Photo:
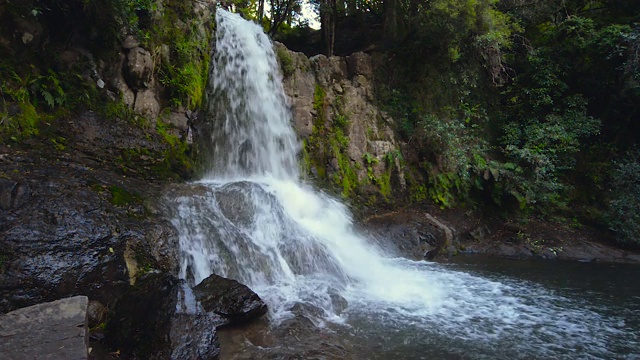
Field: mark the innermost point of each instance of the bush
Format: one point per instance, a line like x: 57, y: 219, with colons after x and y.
x: 624, y: 210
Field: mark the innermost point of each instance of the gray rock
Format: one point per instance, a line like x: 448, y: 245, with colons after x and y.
x: 54, y: 330
x: 118, y: 84
x: 130, y: 42
x: 138, y: 69
x: 147, y: 104
x: 178, y: 120
x: 349, y: 93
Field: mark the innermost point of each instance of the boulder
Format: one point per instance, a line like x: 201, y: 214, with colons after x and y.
x: 414, y: 235
x: 231, y: 300
x: 159, y: 319
x: 147, y: 104
x: 178, y: 120
x: 359, y: 64
x: 53, y: 330
x: 138, y: 69
x: 117, y: 83
x: 130, y: 42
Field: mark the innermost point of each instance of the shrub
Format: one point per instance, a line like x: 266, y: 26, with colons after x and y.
x: 624, y: 210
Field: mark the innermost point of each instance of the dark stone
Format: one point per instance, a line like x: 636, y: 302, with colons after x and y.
x: 60, y: 235
x: 231, y: 300
x: 158, y: 319
x: 359, y: 63
x: 96, y: 313
x: 480, y: 232
x: 13, y: 194
x: 53, y: 330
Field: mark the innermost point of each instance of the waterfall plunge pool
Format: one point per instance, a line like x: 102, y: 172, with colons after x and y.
x: 569, y: 311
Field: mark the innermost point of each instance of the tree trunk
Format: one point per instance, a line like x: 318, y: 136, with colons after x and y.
x: 391, y: 19
x: 260, y: 11
x: 328, y: 14
x: 351, y: 7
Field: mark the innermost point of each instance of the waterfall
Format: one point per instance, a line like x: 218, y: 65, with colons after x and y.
x: 252, y: 219
x: 251, y: 119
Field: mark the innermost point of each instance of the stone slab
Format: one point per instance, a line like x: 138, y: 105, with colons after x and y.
x: 53, y: 330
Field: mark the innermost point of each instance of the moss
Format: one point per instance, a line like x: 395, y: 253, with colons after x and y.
x: 305, y: 158
x: 384, y: 182
x: 59, y: 143
x: 185, y: 69
x: 286, y: 61
x: 121, y: 197
x: 418, y: 191
x: 346, y: 176
x: 175, y: 158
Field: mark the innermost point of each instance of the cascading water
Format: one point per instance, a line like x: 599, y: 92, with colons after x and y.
x: 253, y: 220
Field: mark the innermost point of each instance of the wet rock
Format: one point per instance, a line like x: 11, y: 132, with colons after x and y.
x: 417, y: 236
x: 368, y: 128
x: 158, y: 318
x: 300, y: 87
x: 61, y: 235
x: 54, y: 330
x: 13, y: 194
x: 231, y: 300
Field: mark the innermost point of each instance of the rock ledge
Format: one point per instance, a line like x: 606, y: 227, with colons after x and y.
x: 53, y: 330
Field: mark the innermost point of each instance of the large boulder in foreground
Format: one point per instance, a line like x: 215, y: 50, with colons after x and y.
x: 158, y: 319
x: 53, y: 330
x: 161, y: 317
x: 229, y: 299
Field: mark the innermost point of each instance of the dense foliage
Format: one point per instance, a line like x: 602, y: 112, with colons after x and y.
x: 512, y: 104
x: 517, y: 104
x: 61, y: 57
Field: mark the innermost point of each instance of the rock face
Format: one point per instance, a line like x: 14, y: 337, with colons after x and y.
x: 71, y: 223
x: 54, y: 330
x: 231, y: 300
x: 326, y: 93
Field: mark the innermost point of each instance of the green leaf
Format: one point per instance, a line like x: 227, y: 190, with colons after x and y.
x: 48, y: 98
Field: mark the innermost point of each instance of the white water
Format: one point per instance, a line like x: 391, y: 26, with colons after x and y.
x: 251, y: 219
